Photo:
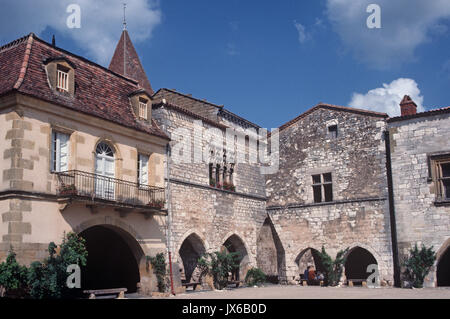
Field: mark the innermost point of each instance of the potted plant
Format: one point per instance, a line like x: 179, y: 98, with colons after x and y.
x: 212, y: 182
x: 229, y: 187
x: 158, y: 203
x: 68, y: 190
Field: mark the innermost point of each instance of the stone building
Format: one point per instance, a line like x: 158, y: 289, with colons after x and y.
x: 81, y: 153
x: 216, y: 201
x: 331, y: 191
x: 420, y: 155
x: 98, y: 152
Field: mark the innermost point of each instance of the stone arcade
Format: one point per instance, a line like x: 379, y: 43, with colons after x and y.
x: 89, y: 149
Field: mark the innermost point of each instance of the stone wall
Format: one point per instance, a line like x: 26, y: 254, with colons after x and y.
x: 358, y: 214
x: 214, y: 215
x: 419, y: 219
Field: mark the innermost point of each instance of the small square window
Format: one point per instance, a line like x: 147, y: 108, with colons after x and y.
x: 333, y: 131
x: 143, y: 108
x: 62, y: 80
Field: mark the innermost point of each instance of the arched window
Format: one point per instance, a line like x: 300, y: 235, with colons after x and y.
x: 104, y: 149
x: 104, y: 169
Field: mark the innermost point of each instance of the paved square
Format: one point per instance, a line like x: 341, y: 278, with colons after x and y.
x: 300, y: 292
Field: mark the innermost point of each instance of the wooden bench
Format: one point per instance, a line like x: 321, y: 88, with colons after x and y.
x: 236, y: 283
x: 115, y: 293
x: 351, y: 282
x: 190, y: 284
x: 304, y: 282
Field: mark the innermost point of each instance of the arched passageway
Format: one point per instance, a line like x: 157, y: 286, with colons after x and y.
x: 190, y: 251
x: 235, y: 244
x: 358, y: 259
x: 443, y: 269
x: 270, y: 253
x: 113, y: 259
x: 309, y: 257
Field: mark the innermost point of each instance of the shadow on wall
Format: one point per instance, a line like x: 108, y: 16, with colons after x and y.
x: 270, y: 253
x: 190, y: 251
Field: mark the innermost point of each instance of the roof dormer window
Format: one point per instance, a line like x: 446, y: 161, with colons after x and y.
x: 60, y: 75
x: 62, y: 79
x: 143, y: 108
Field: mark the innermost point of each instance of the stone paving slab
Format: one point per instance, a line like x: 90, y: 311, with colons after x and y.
x: 300, y: 292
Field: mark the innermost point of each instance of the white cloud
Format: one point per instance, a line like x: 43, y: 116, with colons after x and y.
x: 302, y: 36
x: 446, y: 68
x: 406, y: 24
x: 387, y: 98
x: 101, y: 22
x: 232, y: 49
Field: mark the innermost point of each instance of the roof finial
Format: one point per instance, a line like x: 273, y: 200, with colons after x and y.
x: 124, y: 16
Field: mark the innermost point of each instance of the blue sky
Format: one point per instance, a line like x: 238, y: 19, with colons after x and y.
x: 266, y: 61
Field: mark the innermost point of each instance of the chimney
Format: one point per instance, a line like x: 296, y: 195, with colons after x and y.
x: 407, y: 106
x: 53, y: 41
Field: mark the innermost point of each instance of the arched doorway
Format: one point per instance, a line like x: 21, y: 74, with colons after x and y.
x: 443, y: 269
x: 190, y: 251
x: 309, y: 257
x: 113, y: 259
x: 270, y: 253
x: 358, y: 259
x: 235, y: 244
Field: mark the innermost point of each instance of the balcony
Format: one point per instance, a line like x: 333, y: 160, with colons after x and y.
x: 97, y: 190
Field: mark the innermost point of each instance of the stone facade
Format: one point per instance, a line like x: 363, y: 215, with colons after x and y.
x: 331, y: 189
x: 420, y: 217
x: 357, y: 214
x: 209, y: 214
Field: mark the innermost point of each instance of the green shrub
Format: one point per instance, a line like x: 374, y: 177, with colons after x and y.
x: 333, y: 268
x: 159, y: 265
x: 255, y: 277
x: 13, y: 276
x: 418, y: 264
x: 219, y: 265
x: 47, y: 279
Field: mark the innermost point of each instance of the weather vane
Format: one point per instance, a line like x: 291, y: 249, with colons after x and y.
x: 124, y: 16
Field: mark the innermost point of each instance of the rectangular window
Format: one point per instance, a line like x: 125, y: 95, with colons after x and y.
x: 60, y: 152
x: 143, y: 108
x: 333, y: 131
x: 443, y: 179
x: 62, y: 83
x: 143, y: 169
x: 322, y: 188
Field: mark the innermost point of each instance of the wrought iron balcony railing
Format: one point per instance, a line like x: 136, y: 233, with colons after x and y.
x: 102, y: 188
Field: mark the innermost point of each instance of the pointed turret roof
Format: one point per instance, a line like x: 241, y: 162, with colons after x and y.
x: 125, y: 61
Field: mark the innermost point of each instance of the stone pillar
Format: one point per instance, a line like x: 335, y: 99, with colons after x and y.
x: 220, y: 172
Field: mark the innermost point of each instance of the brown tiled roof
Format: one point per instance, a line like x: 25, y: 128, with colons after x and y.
x: 125, y: 61
x: 442, y: 110
x: 189, y: 113
x: 203, y: 108
x: 336, y: 108
x: 98, y: 91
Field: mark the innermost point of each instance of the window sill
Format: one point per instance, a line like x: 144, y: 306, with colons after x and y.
x: 445, y: 202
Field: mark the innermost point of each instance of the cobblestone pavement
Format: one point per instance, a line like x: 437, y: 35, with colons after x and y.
x: 299, y: 292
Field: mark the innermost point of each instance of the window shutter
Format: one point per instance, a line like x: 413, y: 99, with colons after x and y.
x: 60, y: 152
x: 64, y: 152
x: 143, y: 169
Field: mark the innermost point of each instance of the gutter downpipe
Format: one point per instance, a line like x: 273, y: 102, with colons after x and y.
x: 169, y: 217
x: 394, y: 241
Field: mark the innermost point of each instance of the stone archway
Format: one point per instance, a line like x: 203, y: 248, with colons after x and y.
x: 358, y: 259
x: 191, y: 249
x: 443, y: 266
x: 309, y: 257
x: 114, y: 258
x: 235, y: 244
